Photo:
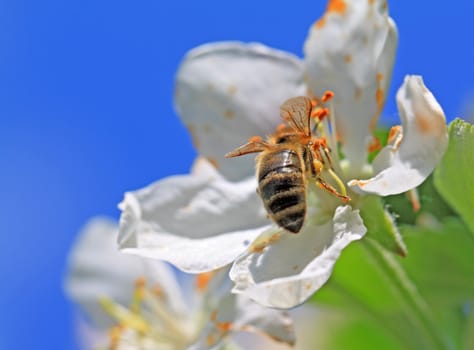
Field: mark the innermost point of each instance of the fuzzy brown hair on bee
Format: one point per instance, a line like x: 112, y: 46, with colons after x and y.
x: 289, y: 157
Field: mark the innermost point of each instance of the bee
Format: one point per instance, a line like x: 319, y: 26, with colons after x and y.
x: 287, y: 160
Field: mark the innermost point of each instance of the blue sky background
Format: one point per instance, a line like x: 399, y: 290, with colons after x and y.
x: 86, y: 113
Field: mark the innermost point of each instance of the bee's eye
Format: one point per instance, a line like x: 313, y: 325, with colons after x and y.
x: 282, y: 139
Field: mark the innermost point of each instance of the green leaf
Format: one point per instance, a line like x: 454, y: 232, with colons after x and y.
x: 381, y: 225
x: 439, y: 272
x: 441, y: 265
x: 356, y: 332
x: 430, y: 202
x: 364, y: 293
x: 441, y: 261
x: 454, y: 177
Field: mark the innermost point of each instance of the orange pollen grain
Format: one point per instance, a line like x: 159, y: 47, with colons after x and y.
x: 338, y: 6
x: 320, y: 143
x: 320, y: 113
x: 327, y: 96
x: 210, y: 340
x: 255, y: 139
x: 114, y: 335
x: 224, y: 326
x: 140, y: 282
x: 202, y: 280
x: 375, y: 145
x: 323, y: 142
x: 213, y: 315
x: 379, y: 77
x: 158, y: 291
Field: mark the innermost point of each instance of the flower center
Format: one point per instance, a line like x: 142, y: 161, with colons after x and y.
x: 148, y: 320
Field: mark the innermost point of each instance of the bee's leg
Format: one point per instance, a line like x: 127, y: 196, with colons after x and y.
x: 317, y: 168
x: 327, y: 154
x: 324, y: 185
x: 322, y: 152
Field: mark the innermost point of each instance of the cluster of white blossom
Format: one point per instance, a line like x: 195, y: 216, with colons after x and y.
x: 211, y: 222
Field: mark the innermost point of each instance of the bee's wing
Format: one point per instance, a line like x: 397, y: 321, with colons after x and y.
x: 296, y: 111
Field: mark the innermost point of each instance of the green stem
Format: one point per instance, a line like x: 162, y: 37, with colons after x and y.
x: 415, y: 306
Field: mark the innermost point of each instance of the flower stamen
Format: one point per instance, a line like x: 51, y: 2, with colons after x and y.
x: 202, y: 280
x: 221, y: 329
x: 319, y: 113
x: 327, y: 96
x: 124, y: 316
x: 374, y: 145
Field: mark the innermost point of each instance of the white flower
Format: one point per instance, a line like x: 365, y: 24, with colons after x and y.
x: 228, y: 92
x: 151, y: 308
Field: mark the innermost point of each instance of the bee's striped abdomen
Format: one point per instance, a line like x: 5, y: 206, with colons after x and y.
x: 282, y: 188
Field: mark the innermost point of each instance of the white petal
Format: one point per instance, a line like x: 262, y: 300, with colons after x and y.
x: 406, y: 164
x: 227, y: 92
x: 239, y: 314
x: 96, y: 268
x: 198, y: 222
x: 275, y: 324
x: 291, y: 268
x: 310, y: 328
x: 87, y: 335
x: 351, y: 51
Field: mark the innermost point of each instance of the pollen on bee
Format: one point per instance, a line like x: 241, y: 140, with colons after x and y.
x: 281, y: 127
x: 255, y: 139
x: 327, y: 96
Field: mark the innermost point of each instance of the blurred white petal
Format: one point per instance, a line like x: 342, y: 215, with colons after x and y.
x: 351, y: 52
x: 180, y: 219
x: 227, y: 92
x: 96, y: 268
